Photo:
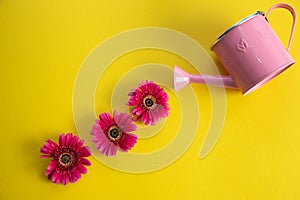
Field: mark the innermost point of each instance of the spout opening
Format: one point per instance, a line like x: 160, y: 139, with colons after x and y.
x: 181, y: 78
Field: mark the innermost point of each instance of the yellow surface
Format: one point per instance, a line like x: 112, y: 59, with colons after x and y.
x: 42, y: 46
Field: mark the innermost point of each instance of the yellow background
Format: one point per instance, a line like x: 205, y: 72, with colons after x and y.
x: 44, y: 43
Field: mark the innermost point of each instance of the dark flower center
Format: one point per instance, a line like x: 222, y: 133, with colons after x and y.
x: 114, y: 133
x: 65, y: 159
x: 149, y: 101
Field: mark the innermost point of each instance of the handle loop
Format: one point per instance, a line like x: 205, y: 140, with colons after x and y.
x: 292, y: 11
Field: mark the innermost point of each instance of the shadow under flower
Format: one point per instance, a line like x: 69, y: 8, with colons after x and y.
x: 33, y: 164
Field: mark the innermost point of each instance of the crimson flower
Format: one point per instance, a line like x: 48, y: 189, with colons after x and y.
x: 150, y: 103
x: 113, y: 133
x: 68, y: 159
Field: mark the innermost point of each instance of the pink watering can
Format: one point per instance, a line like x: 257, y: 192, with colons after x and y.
x: 251, y: 53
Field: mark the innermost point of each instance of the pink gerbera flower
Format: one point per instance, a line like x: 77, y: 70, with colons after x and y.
x: 68, y: 159
x: 150, y: 103
x: 111, y: 134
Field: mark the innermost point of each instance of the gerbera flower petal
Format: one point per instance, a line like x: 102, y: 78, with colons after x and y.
x: 129, y: 128
x: 137, y: 109
x: 79, y: 145
x: 85, y: 162
x: 56, y: 177
x: 100, y: 138
x: 151, y: 86
x: 146, y: 118
x: 124, y: 122
x: 68, y: 138
x: 157, y: 113
x: 97, y: 130
x: 156, y: 89
x: 65, y: 179
x: 67, y: 158
x: 73, y: 142
x: 62, y: 140
x: 160, y: 93
x: 140, y: 112
x: 46, y: 152
x: 103, y: 145
x: 51, y: 167
x: 127, y: 141
x: 82, y: 169
x: 48, y: 148
x: 84, y: 151
x: 105, y: 118
x: 154, y: 117
x: 111, y: 149
x: 72, y: 177
x: 51, y: 144
x: 150, y: 96
x: 76, y: 175
x: 134, y: 99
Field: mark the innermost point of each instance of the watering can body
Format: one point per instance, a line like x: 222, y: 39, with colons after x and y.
x: 251, y: 53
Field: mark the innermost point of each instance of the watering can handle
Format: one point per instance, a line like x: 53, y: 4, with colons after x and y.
x: 291, y: 9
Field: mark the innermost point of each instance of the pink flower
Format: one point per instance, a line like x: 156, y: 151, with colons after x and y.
x: 68, y: 159
x: 111, y: 134
x: 150, y: 103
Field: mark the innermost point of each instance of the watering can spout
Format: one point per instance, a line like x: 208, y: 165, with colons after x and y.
x: 182, y: 78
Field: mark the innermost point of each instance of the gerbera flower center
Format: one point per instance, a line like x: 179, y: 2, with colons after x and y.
x: 65, y: 159
x: 149, y: 101
x: 114, y: 133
